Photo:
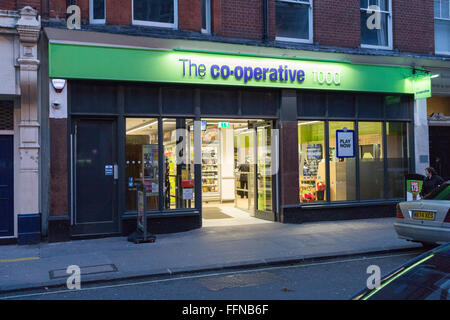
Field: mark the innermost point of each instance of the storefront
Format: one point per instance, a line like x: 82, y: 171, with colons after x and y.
x: 297, y: 139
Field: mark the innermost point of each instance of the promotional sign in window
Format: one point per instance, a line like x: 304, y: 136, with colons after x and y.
x: 345, y: 143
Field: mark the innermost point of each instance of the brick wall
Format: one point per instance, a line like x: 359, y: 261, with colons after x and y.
x: 19, y: 4
x: 413, y: 25
x: 118, y: 12
x: 190, y: 15
x: 337, y: 23
x: 242, y: 19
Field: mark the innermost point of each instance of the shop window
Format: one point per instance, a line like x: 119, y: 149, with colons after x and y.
x: 370, y: 107
x: 442, y: 26
x: 294, y: 20
x: 141, y: 161
x: 97, y: 11
x: 141, y: 99
x: 157, y: 13
x: 342, y: 169
x: 341, y: 106
x: 311, y: 105
x: 311, y: 150
x: 259, y: 103
x: 93, y: 97
x: 397, y: 107
x: 396, y: 157
x: 376, y: 24
x: 219, y: 102
x: 371, y: 165
x: 178, y: 134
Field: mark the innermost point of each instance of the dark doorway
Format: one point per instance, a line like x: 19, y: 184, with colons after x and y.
x: 440, y: 150
x: 95, y: 177
x: 6, y: 186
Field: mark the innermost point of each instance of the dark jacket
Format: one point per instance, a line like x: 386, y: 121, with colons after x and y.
x: 429, y: 184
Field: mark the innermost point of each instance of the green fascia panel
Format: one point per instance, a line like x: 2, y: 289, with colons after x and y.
x: 75, y: 61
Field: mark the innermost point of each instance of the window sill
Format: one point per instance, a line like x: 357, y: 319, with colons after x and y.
x: 369, y: 46
x: 349, y: 204
x: 295, y: 40
x: 154, y: 24
x: 442, y: 53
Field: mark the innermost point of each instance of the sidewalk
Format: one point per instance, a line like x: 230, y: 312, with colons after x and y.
x: 209, y: 248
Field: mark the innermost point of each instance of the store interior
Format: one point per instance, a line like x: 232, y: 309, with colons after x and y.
x: 232, y: 152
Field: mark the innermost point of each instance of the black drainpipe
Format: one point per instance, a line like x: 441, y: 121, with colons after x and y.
x: 265, y: 6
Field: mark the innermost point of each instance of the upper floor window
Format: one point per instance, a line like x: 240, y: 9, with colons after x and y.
x: 294, y: 20
x: 97, y: 11
x: 206, y: 16
x: 376, y: 24
x: 442, y: 26
x: 156, y: 13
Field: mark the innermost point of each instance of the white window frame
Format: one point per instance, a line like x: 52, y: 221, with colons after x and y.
x: 310, y: 33
x: 91, y: 14
x: 208, y: 17
x: 446, y: 53
x: 173, y: 25
x: 389, y: 31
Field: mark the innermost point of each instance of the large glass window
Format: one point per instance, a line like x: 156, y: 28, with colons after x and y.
x: 342, y: 170
x: 312, y: 170
x: 442, y: 26
x: 294, y: 20
x: 371, y: 166
x: 376, y: 23
x: 178, y: 134
x: 141, y: 161
x: 397, y: 157
x: 158, y: 13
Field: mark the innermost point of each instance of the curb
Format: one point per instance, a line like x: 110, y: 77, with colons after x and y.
x: 179, y: 271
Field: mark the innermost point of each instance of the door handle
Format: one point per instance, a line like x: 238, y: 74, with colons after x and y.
x: 116, y: 172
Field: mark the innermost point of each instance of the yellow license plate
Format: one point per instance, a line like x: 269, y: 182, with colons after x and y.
x: 423, y: 215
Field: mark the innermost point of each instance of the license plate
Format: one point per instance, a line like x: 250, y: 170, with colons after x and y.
x: 423, y: 215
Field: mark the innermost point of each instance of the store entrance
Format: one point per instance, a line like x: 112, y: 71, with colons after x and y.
x: 237, y: 177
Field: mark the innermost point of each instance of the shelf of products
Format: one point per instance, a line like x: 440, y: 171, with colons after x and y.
x: 210, y: 171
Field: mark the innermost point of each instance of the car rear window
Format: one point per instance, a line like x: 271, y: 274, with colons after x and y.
x: 429, y: 280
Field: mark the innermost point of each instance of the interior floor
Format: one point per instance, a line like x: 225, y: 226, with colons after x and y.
x: 216, y: 214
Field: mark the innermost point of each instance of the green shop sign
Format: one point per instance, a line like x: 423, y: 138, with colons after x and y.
x: 74, y: 61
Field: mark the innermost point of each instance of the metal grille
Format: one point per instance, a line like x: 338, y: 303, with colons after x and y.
x: 6, y: 115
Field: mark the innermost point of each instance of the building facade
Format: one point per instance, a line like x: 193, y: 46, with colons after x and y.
x: 19, y: 125
x: 292, y: 111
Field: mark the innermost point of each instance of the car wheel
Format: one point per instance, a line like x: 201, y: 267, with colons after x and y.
x: 428, y: 245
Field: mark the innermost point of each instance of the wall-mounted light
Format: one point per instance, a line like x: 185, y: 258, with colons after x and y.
x: 58, y: 84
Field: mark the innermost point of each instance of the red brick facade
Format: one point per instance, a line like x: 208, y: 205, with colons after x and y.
x: 335, y: 23
x: 413, y: 26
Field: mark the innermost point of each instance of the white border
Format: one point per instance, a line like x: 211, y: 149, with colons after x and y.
x: 208, y: 17
x: 390, y: 36
x: 445, y: 53
x: 173, y: 25
x: 91, y: 14
x: 310, y: 35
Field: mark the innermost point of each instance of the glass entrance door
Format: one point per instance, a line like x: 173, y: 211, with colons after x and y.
x: 244, y: 140
x: 264, y: 172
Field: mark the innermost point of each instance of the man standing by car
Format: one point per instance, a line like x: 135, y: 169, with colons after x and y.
x: 431, y: 181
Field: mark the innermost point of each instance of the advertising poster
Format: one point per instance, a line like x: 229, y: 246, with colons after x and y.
x: 140, y: 209
x: 413, y: 189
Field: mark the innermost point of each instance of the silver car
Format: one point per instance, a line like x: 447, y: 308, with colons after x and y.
x: 426, y: 220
